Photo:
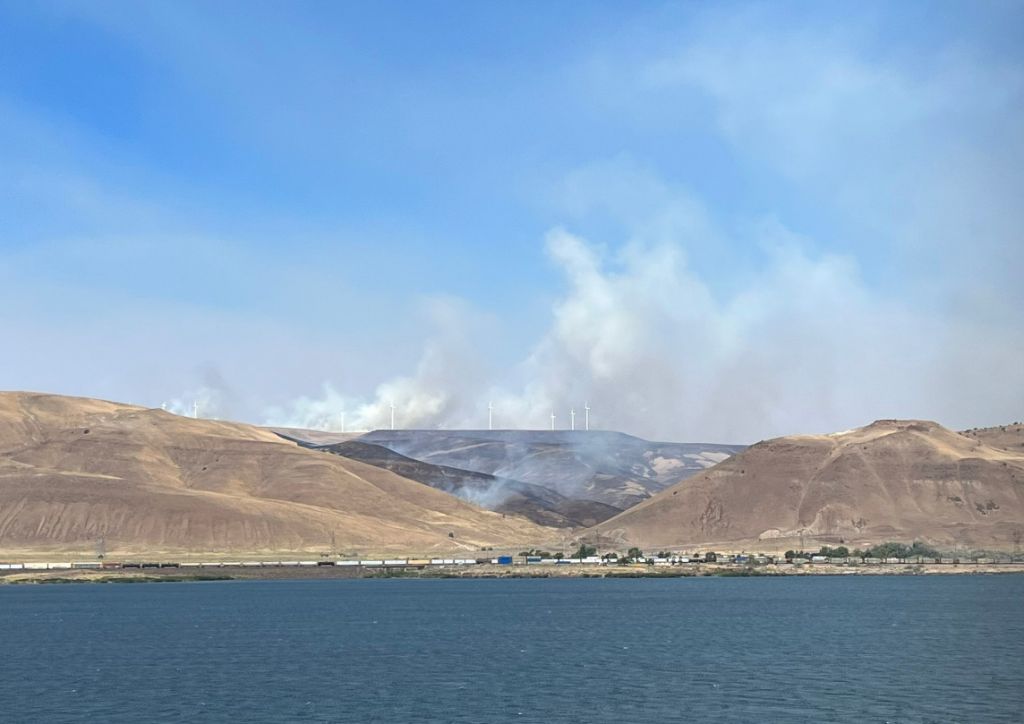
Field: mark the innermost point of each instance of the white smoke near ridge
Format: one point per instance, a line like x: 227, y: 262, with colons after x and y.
x: 213, y: 398
x: 805, y: 346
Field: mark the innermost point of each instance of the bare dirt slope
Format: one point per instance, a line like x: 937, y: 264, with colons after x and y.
x: 74, y: 470
x: 538, y: 503
x: 891, y: 480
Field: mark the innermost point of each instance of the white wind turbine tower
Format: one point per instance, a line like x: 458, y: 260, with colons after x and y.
x: 586, y: 412
x: 392, y: 415
x: 195, y: 409
x: 552, y: 421
x: 490, y: 416
x: 572, y: 418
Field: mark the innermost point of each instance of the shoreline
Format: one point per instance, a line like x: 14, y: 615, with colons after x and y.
x: 490, y: 571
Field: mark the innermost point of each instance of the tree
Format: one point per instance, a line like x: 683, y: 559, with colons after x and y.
x: 585, y: 551
x: 840, y: 552
x: 634, y: 554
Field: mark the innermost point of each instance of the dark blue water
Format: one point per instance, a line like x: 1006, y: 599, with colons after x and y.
x: 851, y: 649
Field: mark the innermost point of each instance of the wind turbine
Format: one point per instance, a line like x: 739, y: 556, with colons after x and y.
x: 586, y: 410
x: 552, y: 421
x: 392, y: 415
x: 490, y: 416
x: 195, y: 409
x: 572, y: 418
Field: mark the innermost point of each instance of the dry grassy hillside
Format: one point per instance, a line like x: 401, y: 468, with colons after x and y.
x: 75, y: 470
x: 1009, y: 437
x: 891, y: 480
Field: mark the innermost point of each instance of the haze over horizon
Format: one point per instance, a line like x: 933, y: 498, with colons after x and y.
x: 711, y: 222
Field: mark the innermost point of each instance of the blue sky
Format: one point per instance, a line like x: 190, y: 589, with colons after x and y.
x: 717, y: 221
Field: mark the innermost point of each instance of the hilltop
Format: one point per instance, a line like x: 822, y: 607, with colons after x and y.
x: 611, y: 468
x: 74, y: 470
x: 1008, y: 437
x: 891, y: 480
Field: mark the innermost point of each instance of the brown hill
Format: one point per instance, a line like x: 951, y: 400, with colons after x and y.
x: 891, y: 480
x: 1008, y: 437
x: 607, y: 467
x: 535, y: 502
x: 75, y: 470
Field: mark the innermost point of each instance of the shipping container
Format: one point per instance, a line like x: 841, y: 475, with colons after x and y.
x: 371, y: 563
x: 504, y: 560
